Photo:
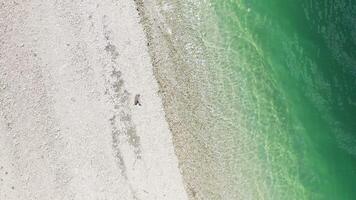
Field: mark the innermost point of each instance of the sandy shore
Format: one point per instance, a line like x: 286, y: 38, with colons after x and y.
x: 190, y: 82
x: 69, y: 129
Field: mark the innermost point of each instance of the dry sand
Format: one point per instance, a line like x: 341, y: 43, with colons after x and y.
x: 69, y: 129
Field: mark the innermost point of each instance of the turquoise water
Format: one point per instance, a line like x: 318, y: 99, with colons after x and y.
x: 293, y: 67
x: 261, y: 96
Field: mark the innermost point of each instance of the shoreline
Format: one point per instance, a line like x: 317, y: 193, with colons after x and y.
x: 78, y: 67
x: 187, y: 93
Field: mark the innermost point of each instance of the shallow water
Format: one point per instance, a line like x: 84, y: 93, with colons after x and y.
x: 298, y: 60
x: 278, y: 79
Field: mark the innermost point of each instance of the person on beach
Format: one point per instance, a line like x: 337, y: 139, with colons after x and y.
x: 137, y: 100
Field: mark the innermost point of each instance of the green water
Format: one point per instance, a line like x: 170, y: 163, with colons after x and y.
x: 264, y: 96
x: 293, y: 67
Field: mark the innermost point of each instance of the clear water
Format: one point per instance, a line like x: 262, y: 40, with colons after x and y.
x: 299, y: 61
x: 278, y: 80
